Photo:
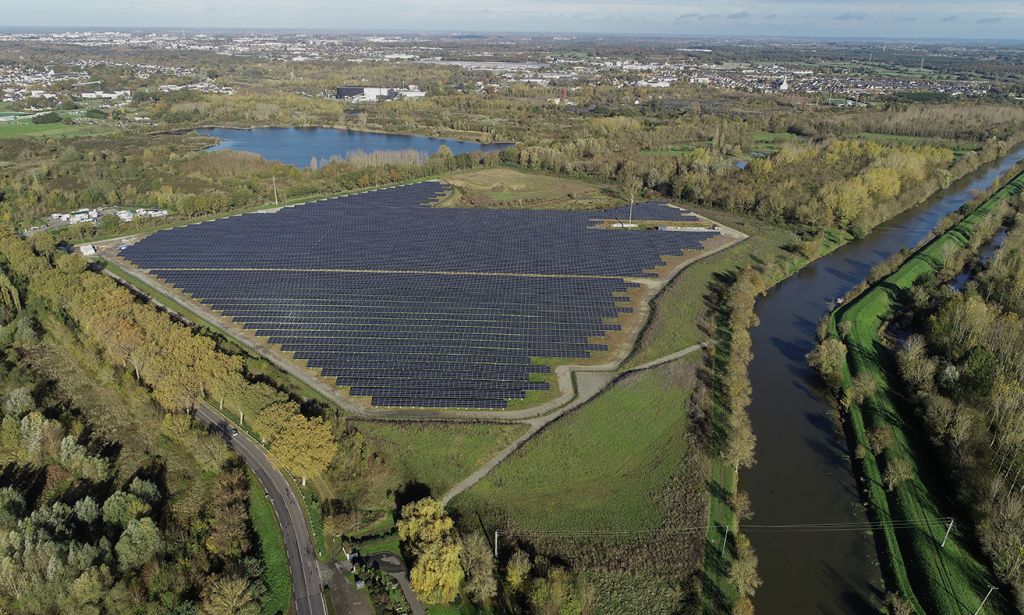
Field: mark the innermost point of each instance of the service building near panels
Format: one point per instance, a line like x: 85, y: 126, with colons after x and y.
x: 403, y: 303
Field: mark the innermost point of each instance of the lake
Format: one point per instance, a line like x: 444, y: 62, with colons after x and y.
x: 297, y: 146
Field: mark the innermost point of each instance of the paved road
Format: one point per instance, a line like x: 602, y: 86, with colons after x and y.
x: 302, y: 561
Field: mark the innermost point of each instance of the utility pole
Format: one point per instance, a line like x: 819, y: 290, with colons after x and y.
x: 991, y: 589
x: 948, y: 530
x: 724, y: 540
x: 495, y: 544
x: 274, y: 179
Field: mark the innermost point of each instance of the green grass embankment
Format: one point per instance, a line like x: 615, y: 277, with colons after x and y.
x: 275, y: 574
x: 950, y: 579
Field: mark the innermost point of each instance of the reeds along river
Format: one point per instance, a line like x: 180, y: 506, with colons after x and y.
x: 803, y: 472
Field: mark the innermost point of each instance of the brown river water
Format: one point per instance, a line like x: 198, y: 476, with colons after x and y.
x: 803, y: 473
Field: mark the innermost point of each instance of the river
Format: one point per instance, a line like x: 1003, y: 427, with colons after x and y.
x: 803, y: 472
x: 298, y: 146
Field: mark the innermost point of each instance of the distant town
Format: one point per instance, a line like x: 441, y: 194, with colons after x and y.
x: 843, y: 84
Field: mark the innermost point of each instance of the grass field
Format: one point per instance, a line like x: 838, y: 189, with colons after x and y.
x: 500, y: 187
x: 437, y: 455
x: 959, y: 147
x: 276, y: 574
x: 388, y: 543
x: 608, y: 478
x: 628, y: 441
x: 23, y: 128
x: 771, y: 141
x: 952, y: 579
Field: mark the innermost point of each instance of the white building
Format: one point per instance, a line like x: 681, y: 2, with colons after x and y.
x: 101, y: 95
x: 355, y: 93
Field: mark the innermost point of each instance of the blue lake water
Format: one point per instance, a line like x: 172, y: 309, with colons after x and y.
x: 297, y: 146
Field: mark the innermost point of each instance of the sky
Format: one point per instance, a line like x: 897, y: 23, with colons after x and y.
x: 970, y: 19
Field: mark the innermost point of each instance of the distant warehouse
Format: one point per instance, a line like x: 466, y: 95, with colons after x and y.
x: 356, y: 93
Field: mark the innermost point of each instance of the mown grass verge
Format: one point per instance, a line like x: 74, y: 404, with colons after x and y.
x: 275, y: 573
x: 936, y: 579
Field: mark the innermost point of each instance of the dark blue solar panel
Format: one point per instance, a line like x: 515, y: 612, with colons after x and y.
x: 417, y: 305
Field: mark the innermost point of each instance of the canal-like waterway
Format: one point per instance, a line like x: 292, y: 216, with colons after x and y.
x: 803, y: 472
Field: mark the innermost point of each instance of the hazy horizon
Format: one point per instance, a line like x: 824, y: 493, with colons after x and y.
x: 911, y: 19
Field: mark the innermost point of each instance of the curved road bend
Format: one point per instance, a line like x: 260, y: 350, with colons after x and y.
x: 803, y: 472
x: 302, y: 561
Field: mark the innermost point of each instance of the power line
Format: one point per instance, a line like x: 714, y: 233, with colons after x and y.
x: 820, y: 527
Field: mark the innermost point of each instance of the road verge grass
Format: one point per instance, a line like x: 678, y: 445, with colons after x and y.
x: 949, y: 579
x: 276, y: 574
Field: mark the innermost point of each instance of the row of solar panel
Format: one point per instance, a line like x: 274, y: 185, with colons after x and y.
x: 387, y: 327
x: 481, y: 353
x: 417, y: 402
x: 272, y: 277
x: 383, y: 318
x: 402, y: 337
x: 431, y: 371
x: 341, y: 288
x: 386, y: 381
x: 409, y: 233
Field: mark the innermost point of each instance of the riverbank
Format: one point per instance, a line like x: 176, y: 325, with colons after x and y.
x: 907, y: 498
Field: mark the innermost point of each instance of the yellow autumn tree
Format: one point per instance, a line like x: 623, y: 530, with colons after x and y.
x: 269, y: 422
x: 304, y: 447
x: 428, y: 534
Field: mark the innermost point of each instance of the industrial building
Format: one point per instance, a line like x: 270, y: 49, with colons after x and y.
x: 356, y: 93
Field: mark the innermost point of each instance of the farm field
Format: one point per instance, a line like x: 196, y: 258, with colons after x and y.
x: 632, y: 441
x: 950, y: 579
x: 501, y: 187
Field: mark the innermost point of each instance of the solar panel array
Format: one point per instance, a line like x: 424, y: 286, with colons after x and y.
x: 415, y: 305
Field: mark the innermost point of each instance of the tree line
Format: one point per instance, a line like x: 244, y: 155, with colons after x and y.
x: 181, y: 368
x: 104, y: 509
x: 962, y: 368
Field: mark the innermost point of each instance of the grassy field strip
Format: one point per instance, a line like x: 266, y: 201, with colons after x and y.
x: 276, y: 574
x: 941, y: 580
x: 719, y: 592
